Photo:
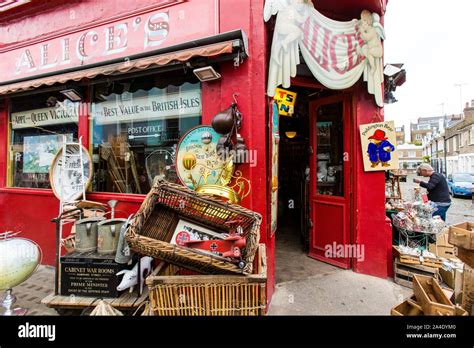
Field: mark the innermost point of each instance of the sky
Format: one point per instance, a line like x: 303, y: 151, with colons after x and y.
x: 434, y: 39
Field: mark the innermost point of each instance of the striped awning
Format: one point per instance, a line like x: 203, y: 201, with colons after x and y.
x: 128, y: 66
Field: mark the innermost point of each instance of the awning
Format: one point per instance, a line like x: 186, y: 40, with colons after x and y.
x: 159, y: 60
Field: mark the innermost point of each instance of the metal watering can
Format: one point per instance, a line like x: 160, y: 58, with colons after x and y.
x: 86, y: 234
x: 109, y: 232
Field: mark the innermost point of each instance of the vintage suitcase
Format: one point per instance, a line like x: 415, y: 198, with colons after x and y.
x: 89, y: 274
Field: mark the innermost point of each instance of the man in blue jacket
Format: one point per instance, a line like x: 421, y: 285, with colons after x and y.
x: 379, y: 149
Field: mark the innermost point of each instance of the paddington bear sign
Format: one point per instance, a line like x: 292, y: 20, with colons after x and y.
x: 379, y: 146
x: 337, y: 53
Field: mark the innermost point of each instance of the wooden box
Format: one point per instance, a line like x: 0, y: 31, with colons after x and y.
x: 462, y: 235
x: 466, y: 256
x: 407, y: 308
x: 431, y: 296
x: 442, y: 248
x: 403, y: 273
x: 468, y: 289
x: 196, y: 295
x: 90, y: 275
x: 411, y: 307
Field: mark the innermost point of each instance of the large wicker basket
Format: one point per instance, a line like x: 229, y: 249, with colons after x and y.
x: 167, y: 203
x: 191, y: 295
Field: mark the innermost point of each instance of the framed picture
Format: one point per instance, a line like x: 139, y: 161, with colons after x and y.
x: 39, y: 152
x: 186, y: 231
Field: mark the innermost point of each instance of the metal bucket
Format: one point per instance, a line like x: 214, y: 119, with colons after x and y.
x: 108, y: 235
x: 86, y: 234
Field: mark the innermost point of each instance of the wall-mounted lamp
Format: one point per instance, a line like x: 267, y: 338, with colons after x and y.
x: 72, y: 95
x: 206, y: 74
x: 291, y: 134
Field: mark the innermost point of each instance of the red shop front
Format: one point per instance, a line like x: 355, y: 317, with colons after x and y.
x: 144, y: 51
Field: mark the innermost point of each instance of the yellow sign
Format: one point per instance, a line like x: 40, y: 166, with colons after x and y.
x: 286, y: 101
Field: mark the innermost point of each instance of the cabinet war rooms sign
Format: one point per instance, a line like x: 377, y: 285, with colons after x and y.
x: 337, y: 53
x: 171, y: 23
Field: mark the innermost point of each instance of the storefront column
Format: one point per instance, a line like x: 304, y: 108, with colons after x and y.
x: 4, y: 143
x: 369, y: 195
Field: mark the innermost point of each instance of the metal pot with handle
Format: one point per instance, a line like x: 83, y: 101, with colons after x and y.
x: 108, y: 235
x: 86, y: 234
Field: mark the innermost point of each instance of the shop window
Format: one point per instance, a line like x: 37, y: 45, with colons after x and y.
x: 330, y: 150
x: 136, y: 126
x: 37, y: 126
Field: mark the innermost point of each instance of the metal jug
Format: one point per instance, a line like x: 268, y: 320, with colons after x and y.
x: 108, y: 235
x: 86, y: 234
x: 123, y: 254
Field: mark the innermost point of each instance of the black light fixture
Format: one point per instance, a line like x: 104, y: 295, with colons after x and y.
x: 72, y: 95
x: 389, y: 98
x: 206, y: 74
x: 394, y: 76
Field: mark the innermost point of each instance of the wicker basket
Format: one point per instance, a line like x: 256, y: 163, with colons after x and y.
x: 167, y: 203
x: 188, y: 295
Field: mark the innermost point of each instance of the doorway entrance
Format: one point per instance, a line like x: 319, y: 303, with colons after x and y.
x: 314, y: 185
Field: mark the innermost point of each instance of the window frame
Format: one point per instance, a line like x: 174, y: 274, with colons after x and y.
x: 84, y: 131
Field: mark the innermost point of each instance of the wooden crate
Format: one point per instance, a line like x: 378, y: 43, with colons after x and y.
x: 127, y: 302
x: 462, y: 235
x: 411, y: 307
x: 466, y: 256
x: 468, y: 289
x: 416, y: 260
x: 191, y: 295
x: 407, y: 308
x: 431, y: 297
x: 403, y: 273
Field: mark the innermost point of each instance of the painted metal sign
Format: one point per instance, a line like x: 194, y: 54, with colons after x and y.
x: 275, y: 136
x: 286, y: 101
x: 337, y: 53
x: 63, y: 113
x: 116, y: 40
x: 379, y: 146
x: 197, y: 162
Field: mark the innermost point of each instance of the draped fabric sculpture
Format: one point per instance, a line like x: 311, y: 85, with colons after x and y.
x: 337, y: 53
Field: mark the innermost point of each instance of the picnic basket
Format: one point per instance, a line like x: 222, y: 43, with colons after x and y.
x: 166, y: 204
x: 172, y: 294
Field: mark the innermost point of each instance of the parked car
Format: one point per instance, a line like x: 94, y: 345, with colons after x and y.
x: 461, y: 184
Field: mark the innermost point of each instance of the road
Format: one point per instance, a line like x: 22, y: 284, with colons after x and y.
x: 461, y: 209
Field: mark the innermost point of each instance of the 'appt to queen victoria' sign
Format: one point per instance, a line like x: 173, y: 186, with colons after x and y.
x: 122, y: 38
x: 337, y: 53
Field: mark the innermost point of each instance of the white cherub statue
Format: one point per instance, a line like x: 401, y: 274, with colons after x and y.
x: 372, y: 32
x: 291, y: 15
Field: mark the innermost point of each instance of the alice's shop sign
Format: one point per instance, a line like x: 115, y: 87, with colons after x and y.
x: 117, y: 40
